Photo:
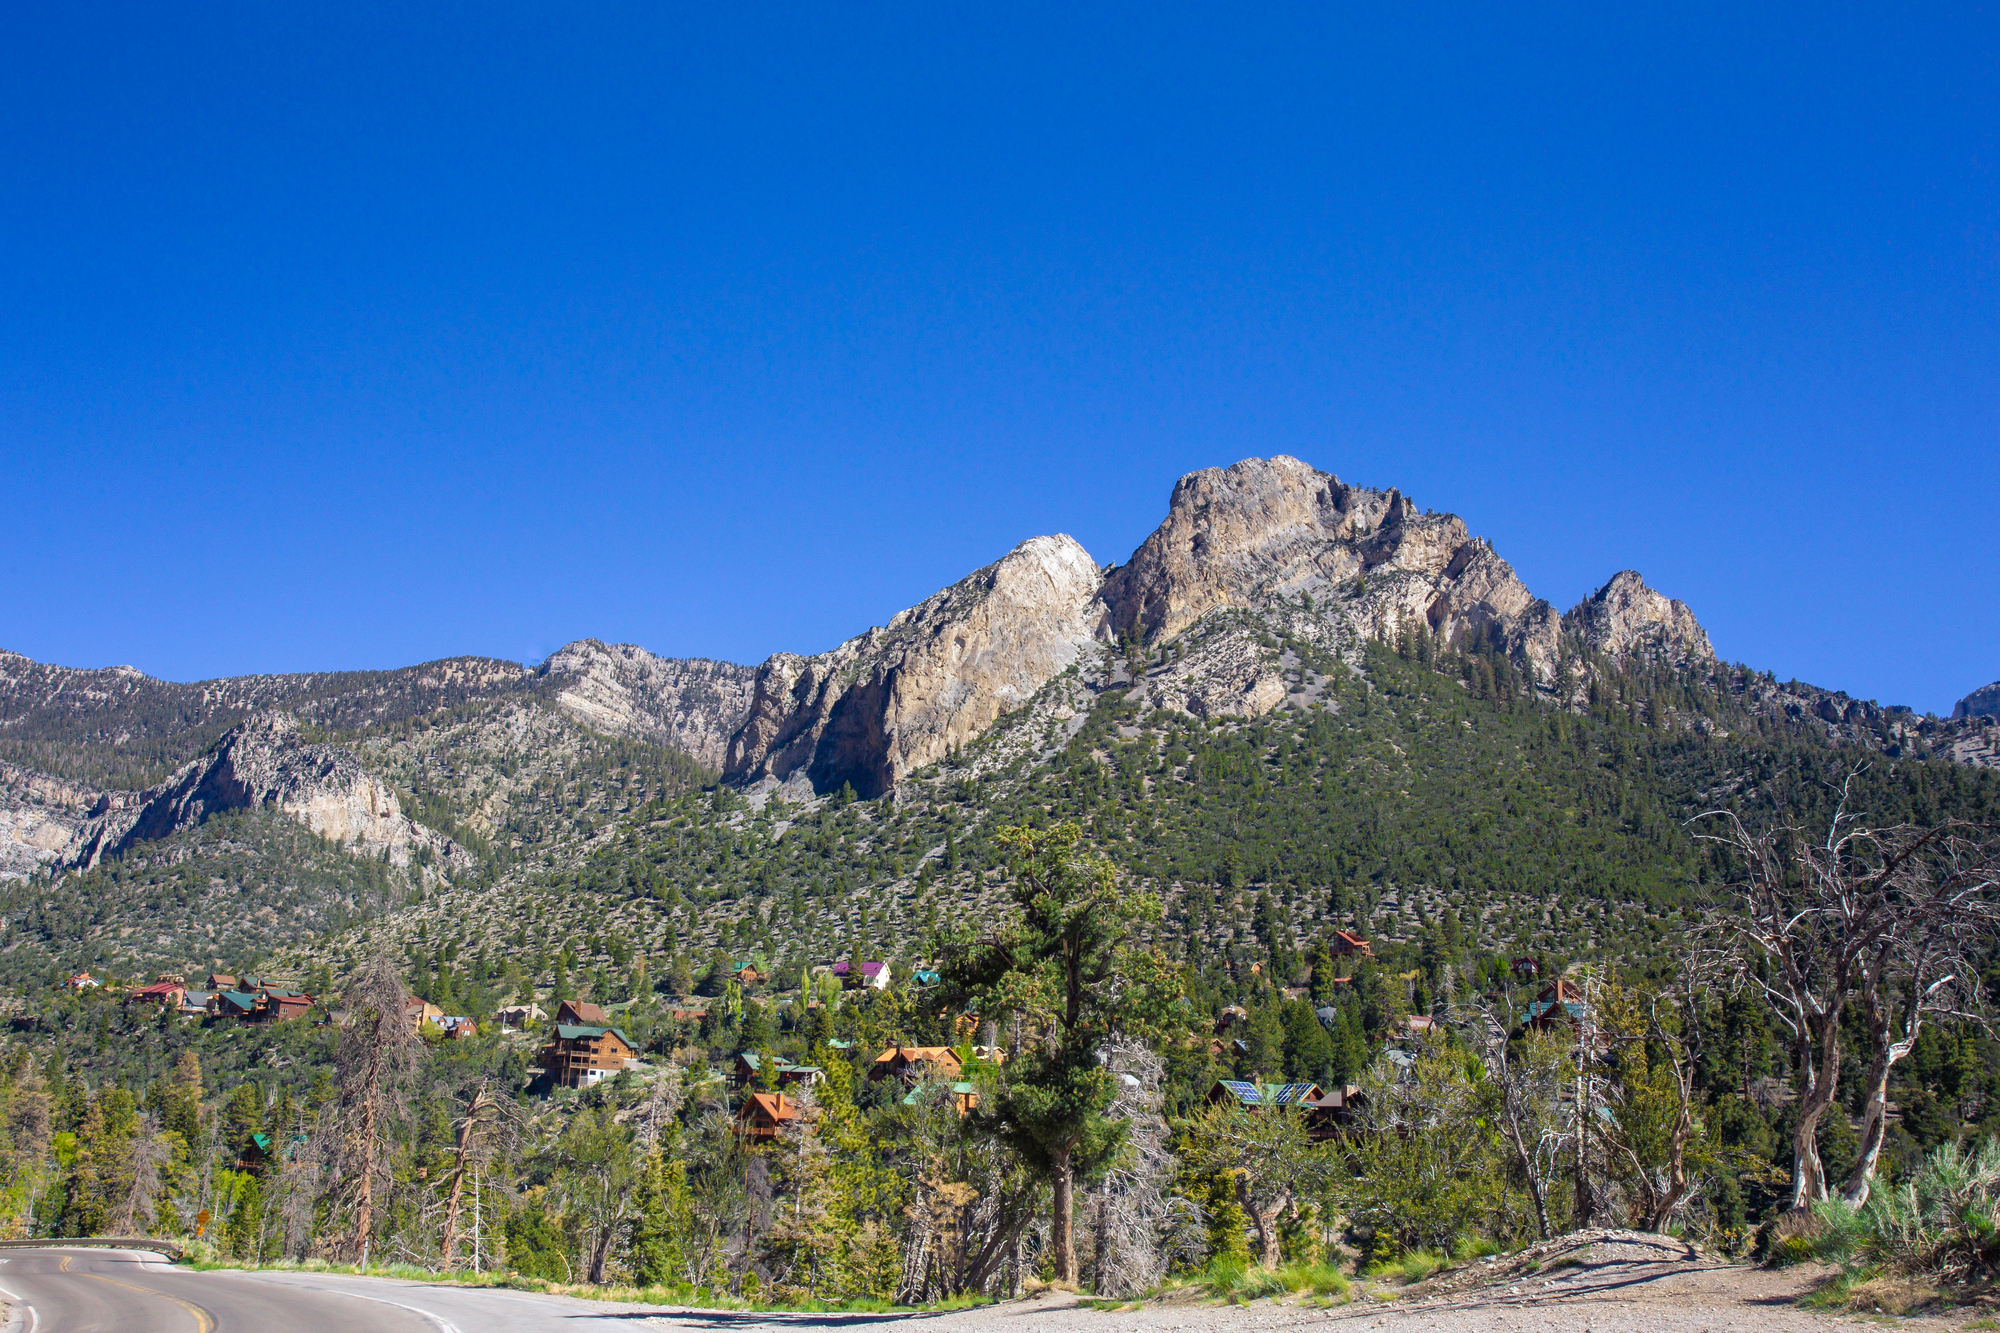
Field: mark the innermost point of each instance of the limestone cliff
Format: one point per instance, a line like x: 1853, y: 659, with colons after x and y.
x: 935, y: 677
x: 693, y: 704
x: 264, y: 762
x: 40, y: 817
x: 1627, y: 621
x: 1982, y: 702
x: 1270, y: 528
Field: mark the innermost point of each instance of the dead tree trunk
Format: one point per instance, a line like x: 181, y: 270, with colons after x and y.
x: 1871, y: 910
x: 476, y: 1112
x: 376, y: 1055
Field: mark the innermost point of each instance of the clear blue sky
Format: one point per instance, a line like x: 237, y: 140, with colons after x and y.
x: 339, y: 336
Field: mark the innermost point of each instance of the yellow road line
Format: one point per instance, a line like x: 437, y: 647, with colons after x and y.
x: 203, y: 1321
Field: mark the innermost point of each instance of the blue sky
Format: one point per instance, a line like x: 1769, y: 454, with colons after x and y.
x: 362, y: 336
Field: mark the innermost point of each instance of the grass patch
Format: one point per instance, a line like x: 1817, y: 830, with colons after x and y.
x: 1412, y: 1267
x: 1316, y: 1279
x: 1239, y: 1283
x: 1872, y: 1291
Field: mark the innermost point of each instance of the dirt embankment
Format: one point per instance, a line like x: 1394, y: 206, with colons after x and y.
x: 1591, y: 1282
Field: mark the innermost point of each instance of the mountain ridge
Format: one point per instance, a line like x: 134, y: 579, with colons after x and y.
x: 1332, y: 563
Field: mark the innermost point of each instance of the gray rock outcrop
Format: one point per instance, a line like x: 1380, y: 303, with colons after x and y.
x: 40, y: 817
x: 692, y: 704
x: 936, y: 676
x: 1265, y: 528
x: 1982, y: 702
x: 1627, y: 621
x: 264, y: 762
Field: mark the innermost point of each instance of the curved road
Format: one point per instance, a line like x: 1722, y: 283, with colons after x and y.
x: 126, y: 1291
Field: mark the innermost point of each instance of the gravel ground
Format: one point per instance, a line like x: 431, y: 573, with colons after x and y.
x: 1599, y: 1282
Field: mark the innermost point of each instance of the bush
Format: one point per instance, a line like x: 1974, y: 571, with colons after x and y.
x: 1942, y: 1220
x: 1319, y: 1279
x: 1413, y: 1266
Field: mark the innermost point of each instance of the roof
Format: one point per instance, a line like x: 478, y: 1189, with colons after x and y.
x: 1570, y: 1008
x: 242, y: 999
x: 579, y: 1031
x: 958, y: 1089
x: 1269, y: 1094
x: 913, y: 1054
x: 772, y: 1104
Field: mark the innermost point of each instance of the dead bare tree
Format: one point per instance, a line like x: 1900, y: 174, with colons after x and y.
x: 376, y: 1055
x: 970, y: 1200
x: 1882, y: 914
x: 145, y: 1155
x: 486, y: 1119
x: 1528, y: 1073
x: 1141, y: 1225
x: 654, y: 1116
x: 300, y: 1176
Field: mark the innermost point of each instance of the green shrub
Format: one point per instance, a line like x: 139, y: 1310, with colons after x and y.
x: 1319, y: 1279
x: 1413, y: 1266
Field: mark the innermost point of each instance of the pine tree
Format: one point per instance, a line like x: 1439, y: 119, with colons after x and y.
x: 1064, y: 965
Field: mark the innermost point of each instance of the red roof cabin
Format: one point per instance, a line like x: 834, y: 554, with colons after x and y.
x: 1346, y: 943
x: 764, y: 1114
x: 160, y: 992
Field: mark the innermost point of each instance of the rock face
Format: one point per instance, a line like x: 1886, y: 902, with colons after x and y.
x: 40, y: 817
x: 1982, y: 702
x: 263, y: 762
x: 693, y: 704
x: 1265, y: 528
x: 1301, y: 552
x: 1628, y: 621
x: 936, y: 676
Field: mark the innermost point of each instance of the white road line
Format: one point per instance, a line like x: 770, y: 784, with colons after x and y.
x: 444, y: 1325
x: 8, y: 1294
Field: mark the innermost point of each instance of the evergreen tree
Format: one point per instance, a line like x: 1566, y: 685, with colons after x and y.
x: 1064, y: 964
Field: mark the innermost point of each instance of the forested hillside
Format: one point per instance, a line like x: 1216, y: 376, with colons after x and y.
x: 1413, y: 788
x: 1312, y: 792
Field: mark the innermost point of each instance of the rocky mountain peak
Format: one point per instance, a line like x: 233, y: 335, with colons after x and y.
x: 1982, y: 702
x: 936, y: 676
x: 1626, y: 620
x: 1268, y: 528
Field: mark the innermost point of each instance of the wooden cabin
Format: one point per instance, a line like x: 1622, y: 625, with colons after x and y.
x: 764, y: 1114
x: 581, y: 1054
x: 914, y: 1063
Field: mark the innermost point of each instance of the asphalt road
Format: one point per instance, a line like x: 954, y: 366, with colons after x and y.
x: 122, y: 1291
